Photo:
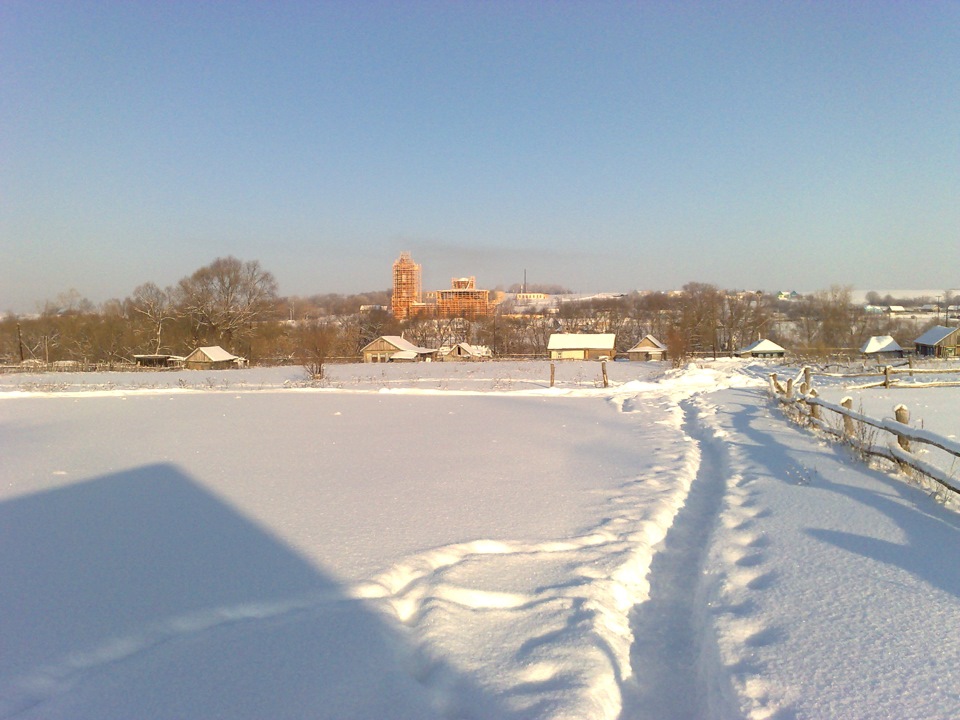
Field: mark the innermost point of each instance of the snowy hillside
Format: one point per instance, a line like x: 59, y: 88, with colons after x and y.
x: 460, y: 541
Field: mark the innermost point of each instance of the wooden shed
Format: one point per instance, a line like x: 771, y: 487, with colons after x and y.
x: 648, y: 348
x: 465, y: 352
x: 882, y: 347
x: 762, y: 349
x: 212, y: 358
x: 582, y: 346
x: 157, y: 360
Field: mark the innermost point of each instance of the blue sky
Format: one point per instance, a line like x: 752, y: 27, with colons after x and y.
x: 598, y: 145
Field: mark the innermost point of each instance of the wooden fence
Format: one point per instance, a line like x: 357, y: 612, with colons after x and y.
x: 799, y: 396
x: 888, y: 373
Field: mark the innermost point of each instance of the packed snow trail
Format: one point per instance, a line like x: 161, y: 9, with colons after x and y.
x: 544, y: 628
x: 667, y: 628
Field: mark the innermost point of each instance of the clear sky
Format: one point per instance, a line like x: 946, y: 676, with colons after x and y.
x: 598, y: 145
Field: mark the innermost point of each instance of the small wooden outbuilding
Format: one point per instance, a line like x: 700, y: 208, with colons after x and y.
x: 762, y: 349
x: 464, y: 352
x: 157, y: 361
x: 648, y: 348
x: 939, y: 341
x: 213, y: 357
x: 881, y: 347
x: 582, y: 346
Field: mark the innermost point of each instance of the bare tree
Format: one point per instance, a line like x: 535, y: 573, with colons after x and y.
x: 829, y: 323
x: 316, y: 341
x: 700, y: 315
x: 226, y: 297
x: 156, y: 306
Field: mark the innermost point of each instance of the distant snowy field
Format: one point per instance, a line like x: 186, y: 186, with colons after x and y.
x: 460, y: 541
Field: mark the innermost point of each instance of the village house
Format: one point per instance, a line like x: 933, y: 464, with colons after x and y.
x: 582, y: 346
x: 394, y: 348
x: 939, y: 341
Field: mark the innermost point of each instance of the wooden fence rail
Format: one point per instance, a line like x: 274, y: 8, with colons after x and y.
x: 887, y: 372
x: 808, y: 406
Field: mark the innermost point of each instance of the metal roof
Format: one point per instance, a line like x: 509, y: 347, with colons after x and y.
x: 935, y: 335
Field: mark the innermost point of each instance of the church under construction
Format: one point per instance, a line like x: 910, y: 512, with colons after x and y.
x: 462, y: 299
x: 407, y: 295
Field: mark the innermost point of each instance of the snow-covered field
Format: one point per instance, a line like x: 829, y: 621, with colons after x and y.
x: 462, y: 541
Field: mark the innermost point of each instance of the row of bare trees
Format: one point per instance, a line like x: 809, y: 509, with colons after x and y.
x: 235, y: 304
x: 222, y: 303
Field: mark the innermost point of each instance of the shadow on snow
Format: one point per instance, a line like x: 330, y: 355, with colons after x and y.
x: 139, y: 594
x: 927, y: 527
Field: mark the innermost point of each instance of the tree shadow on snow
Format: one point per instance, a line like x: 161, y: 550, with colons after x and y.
x: 928, y: 528
x: 139, y: 594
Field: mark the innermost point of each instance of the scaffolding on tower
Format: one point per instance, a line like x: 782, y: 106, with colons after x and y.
x: 407, y: 293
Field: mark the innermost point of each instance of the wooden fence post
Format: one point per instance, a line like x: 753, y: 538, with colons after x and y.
x: 790, y: 388
x: 808, y: 377
x: 603, y: 370
x: 814, y: 408
x: 847, y: 403
x: 887, y: 372
x: 553, y: 374
x: 773, y: 382
x: 903, y: 417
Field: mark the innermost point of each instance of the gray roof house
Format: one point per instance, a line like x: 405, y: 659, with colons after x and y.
x: 939, y: 341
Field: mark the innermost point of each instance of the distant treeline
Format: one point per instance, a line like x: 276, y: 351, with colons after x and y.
x: 235, y: 304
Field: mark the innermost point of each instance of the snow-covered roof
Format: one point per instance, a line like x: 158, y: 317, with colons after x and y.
x: 215, y: 353
x: 763, y: 346
x: 650, y: 340
x: 880, y: 344
x: 934, y: 335
x: 478, y: 350
x: 582, y: 341
x: 405, y: 355
x: 401, y: 344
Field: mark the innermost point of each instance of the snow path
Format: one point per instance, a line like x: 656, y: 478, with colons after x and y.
x: 564, y: 622
x: 668, y: 635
